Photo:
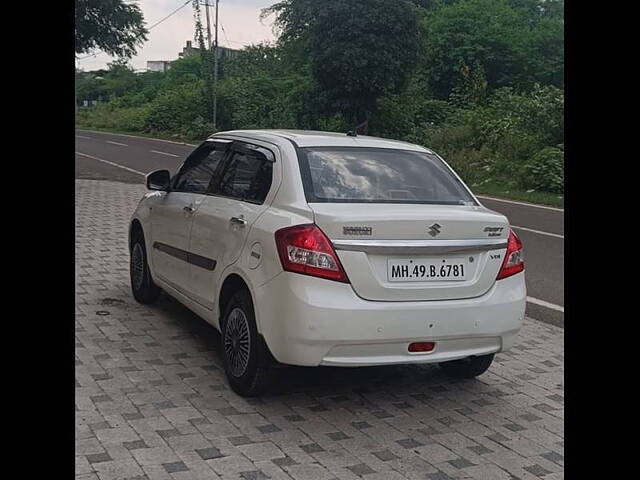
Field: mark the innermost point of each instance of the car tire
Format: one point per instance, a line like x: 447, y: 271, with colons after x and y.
x: 246, y: 358
x: 144, y: 289
x: 469, y: 367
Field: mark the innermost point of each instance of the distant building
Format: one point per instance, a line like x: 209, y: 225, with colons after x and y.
x: 223, y: 52
x: 158, y: 65
x: 188, y: 50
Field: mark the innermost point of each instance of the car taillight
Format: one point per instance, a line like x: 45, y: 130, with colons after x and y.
x: 514, y: 258
x: 306, y: 249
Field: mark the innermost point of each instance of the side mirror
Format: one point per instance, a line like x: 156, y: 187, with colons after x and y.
x: 158, y: 180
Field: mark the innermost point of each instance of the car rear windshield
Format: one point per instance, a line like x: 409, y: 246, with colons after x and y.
x: 378, y: 175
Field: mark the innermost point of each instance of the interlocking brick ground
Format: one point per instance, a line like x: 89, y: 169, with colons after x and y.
x: 152, y: 401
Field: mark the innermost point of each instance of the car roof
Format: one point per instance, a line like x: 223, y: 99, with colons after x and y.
x: 315, y: 138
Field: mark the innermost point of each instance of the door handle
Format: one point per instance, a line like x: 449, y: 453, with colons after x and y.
x: 238, y: 221
x: 188, y: 209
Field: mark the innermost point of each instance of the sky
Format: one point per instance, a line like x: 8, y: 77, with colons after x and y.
x: 239, y: 22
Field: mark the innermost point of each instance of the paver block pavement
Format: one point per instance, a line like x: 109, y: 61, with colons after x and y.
x: 152, y: 401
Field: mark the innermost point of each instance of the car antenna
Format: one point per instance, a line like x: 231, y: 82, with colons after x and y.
x: 354, y: 132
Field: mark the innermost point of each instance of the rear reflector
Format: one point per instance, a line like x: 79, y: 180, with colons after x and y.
x: 421, y: 346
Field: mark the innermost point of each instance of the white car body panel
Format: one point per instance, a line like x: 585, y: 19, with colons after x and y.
x: 212, y: 231
x: 368, y: 271
x: 313, y: 321
x: 170, y: 225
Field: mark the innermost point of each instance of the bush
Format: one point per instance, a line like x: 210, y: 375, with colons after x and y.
x: 261, y: 102
x: 334, y: 123
x: 198, y: 129
x: 129, y: 100
x: 178, y: 110
x: 545, y: 171
x: 472, y: 165
x: 134, y: 119
x: 499, y: 139
x: 406, y: 115
x: 447, y: 139
x: 105, y: 115
x: 506, y: 136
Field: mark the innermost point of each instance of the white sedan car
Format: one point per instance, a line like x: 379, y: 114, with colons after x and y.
x: 313, y: 248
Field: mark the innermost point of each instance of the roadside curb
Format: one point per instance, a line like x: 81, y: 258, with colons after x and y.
x: 552, y: 322
x: 544, y: 315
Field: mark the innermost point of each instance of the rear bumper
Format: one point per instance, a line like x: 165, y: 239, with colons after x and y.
x: 311, y: 321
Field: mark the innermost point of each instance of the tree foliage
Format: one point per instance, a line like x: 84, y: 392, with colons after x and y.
x: 514, y: 45
x: 478, y: 81
x: 120, y: 79
x: 357, y: 50
x: 545, y: 171
x: 261, y: 90
x: 114, y: 26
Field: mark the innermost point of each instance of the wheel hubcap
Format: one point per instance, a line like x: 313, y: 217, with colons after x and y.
x: 237, y: 342
x: 137, y: 266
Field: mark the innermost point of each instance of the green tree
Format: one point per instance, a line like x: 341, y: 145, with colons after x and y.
x: 114, y: 26
x: 150, y: 83
x: 358, y: 50
x: 540, y: 8
x: 184, y: 70
x: 515, y: 43
x: 179, y: 110
x: 260, y: 59
x: 89, y: 86
x: 120, y: 79
x: 260, y: 89
x: 403, y: 116
x: 428, y: 4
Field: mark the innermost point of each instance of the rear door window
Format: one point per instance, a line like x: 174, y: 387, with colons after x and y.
x: 247, y: 176
x: 379, y: 175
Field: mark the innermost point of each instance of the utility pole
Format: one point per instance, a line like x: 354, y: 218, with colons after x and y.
x: 215, y: 60
x: 215, y: 73
x: 208, y: 27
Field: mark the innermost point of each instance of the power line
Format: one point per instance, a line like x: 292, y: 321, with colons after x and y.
x: 92, y: 55
x: 224, y: 33
x: 223, y: 30
x: 172, y: 13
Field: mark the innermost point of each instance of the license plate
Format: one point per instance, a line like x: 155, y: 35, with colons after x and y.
x: 431, y: 270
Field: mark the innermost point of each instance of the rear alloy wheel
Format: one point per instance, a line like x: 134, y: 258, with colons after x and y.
x: 469, y: 367
x: 246, y: 359
x: 237, y: 342
x: 142, y: 285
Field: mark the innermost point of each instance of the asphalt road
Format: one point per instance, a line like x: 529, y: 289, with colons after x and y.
x: 106, y: 156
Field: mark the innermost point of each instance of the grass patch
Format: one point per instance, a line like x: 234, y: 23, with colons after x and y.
x: 498, y: 190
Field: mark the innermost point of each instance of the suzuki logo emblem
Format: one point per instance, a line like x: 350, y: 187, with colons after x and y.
x: 434, y: 229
